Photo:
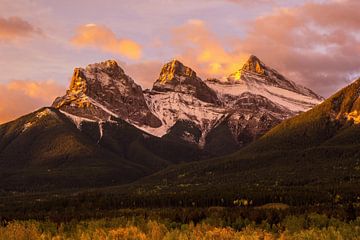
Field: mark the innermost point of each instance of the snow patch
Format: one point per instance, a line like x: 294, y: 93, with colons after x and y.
x: 75, y: 119
x: 27, y: 126
x: 254, y: 84
x: 101, y: 130
x: 44, y: 113
x: 39, y: 115
x: 170, y: 107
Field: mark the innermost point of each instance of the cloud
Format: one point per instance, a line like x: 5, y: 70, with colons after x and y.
x: 13, y: 28
x: 252, y: 2
x: 201, y: 49
x: 19, y: 97
x: 99, y: 36
x: 144, y: 73
x: 315, y: 44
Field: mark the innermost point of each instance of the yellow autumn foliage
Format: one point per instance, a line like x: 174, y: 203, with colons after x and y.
x: 153, y: 230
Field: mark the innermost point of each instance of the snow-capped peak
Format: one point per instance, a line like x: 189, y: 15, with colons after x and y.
x: 181, y: 106
x: 257, y: 78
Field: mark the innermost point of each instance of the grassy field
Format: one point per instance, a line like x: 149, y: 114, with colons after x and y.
x: 312, y: 226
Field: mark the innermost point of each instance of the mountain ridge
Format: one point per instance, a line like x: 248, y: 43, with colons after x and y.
x: 315, y: 153
x: 180, y: 99
x: 231, y: 103
x: 182, y: 119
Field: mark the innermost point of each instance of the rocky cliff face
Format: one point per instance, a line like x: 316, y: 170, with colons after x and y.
x: 102, y: 90
x: 176, y: 77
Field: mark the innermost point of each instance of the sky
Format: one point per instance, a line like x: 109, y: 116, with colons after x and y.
x: 314, y: 43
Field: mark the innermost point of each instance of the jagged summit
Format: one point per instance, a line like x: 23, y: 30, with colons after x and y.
x: 253, y: 64
x: 102, y: 90
x: 104, y: 73
x: 176, y: 77
x: 183, y: 106
x: 174, y: 69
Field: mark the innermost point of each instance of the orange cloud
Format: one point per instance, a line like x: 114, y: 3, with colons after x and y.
x: 14, y: 28
x: 204, y: 52
x: 102, y: 37
x: 19, y: 97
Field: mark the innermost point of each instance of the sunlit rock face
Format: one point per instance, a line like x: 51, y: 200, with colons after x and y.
x: 102, y: 90
x: 253, y: 64
x: 176, y: 77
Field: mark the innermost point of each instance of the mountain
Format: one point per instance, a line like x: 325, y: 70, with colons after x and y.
x: 257, y: 98
x: 257, y: 78
x: 106, y: 130
x: 45, y: 149
x: 312, y: 156
x: 176, y: 77
x: 102, y: 90
x: 221, y: 116
x: 64, y: 151
x: 215, y: 116
x: 332, y: 123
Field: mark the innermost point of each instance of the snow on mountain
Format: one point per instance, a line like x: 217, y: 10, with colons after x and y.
x: 251, y: 100
x: 293, y: 101
x: 257, y: 78
x: 41, y: 114
x: 179, y: 95
x: 173, y: 106
x: 182, y: 107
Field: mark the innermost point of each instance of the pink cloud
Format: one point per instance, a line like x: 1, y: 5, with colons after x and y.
x: 13, y: 28
x: 314, y: 44
x: 144, y: 73
x: 19, y: 97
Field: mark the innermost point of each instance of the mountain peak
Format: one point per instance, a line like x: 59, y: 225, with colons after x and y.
x: 176, y: 77
x: 256, y: 77
x: 253, y: 64
x: 175, y: 68
x: 102, y: 73
x: 102, y: 90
